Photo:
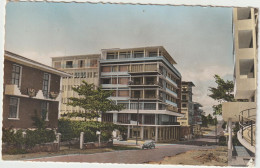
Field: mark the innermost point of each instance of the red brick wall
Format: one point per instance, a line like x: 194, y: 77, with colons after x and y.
x: 31, y: 78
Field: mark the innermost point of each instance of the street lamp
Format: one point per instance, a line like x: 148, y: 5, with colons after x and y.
x: 137, y: 119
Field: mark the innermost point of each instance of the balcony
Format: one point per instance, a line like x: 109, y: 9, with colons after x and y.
x: 114, y: 73
x: 232, y: 109
x: 171, y: 81
x: 171, y: 103
x: 113, y: 85
x: 244, y: 88
x: 13, y: 90
x: 172, y: 93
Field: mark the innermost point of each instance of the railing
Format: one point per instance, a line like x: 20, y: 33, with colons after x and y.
x: 247, y: 119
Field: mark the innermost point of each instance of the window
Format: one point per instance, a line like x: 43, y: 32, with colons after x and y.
x: 16, y: 75
x: 93, y: 63
x: 138, y: 54
x: 112, y: 55
x: 114, y: 69
x: 44, y: 110
x: 184, y: 105
x: 69, y: 64
x: 81, y: 63
x: 106, y: 69
x: 183, y: 97
x: 124, y: 55
x: 13, y: 107
x: 46, y: 84
x: 89, y: 74
x: 153, y: 54
x: 57, y: 65
x: 95, y: 74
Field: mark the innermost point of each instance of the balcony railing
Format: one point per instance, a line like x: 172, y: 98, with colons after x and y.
x: 171, y: 92
x: 247, y: 119
x: 171, y: 103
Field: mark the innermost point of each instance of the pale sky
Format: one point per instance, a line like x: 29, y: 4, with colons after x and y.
x: 199, y: 39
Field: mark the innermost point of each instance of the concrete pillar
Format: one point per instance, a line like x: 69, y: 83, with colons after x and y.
x: 81, y: 140
x: 156, y: 118
x: 142, y: 118
x: 23, y: 134
x: 163, y: 133
x: 58, y: 139
x: 142, y: 133
x: 229, y: 139
x: 115, y: 117
x: 149, y: 133
x: 156, y: 133
x: 128, y: 131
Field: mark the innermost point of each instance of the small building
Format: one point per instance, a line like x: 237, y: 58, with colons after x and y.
x: 30, y: 87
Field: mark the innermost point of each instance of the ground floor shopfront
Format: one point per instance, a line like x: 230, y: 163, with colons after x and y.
x: 160, y: 133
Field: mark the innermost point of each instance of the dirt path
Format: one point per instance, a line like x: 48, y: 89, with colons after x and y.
x: 211, y: 157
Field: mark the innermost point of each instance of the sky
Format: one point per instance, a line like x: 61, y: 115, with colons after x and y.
x: 198, y: 38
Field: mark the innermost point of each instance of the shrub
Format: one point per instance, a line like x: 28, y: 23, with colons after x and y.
x: 72, y: 129
x: 222, y: 141
x: 38, y: 137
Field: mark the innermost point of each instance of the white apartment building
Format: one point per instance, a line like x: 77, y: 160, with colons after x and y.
x: 245, y: 31
x: 82, y: 67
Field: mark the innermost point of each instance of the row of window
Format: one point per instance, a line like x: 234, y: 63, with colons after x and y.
x: 135, y: 54
x: 17, y: 77
x: 85, y: 74
x: 14, y: 108
x: 78, y: 64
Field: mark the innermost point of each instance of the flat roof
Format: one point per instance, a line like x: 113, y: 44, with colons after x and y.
x: 76, y: 56
x: 167, y: 55
x: 34, y: 64
x: 188, y: 83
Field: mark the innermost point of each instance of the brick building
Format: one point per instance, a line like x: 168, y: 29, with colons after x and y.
x: 29, y: 87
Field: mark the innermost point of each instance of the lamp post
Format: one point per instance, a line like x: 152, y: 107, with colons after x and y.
x: 137, y: 119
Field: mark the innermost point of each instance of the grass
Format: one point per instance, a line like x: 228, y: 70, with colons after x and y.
x: 64, y: 150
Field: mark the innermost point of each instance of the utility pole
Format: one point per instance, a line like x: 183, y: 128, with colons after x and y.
x: 216, y: 129
x: 137, y: 120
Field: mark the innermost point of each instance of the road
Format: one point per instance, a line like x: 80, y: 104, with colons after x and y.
x: 137, y: 156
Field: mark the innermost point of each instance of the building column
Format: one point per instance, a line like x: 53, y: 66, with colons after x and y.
x: 156, y: 133
x: 128, y: 131
x: 115, y: 117
x: 142, y: 133
x: 229, y: 139
x: 163, y: 133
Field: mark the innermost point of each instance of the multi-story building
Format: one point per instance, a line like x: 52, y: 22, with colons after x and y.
x: 186, y: 103
x: 245, y: 31
x: 81, y: 67
x: 29, y: 87
x: 146, y: 74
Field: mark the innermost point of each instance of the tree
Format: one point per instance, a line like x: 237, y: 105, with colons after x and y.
x: 93, y: 101
x: 204, y: 121
x: 222, y: 93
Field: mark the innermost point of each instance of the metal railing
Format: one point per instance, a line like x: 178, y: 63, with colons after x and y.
x: 247, y: 120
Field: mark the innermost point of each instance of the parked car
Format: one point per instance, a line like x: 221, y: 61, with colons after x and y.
x: 148, y: 145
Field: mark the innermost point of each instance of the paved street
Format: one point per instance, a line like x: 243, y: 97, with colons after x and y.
x: 137, y: 156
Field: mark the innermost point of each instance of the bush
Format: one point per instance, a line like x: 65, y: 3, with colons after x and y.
x: 222, y: 141
x: 32, y: 138
x: 38, y: 137
x: 71, y: 129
